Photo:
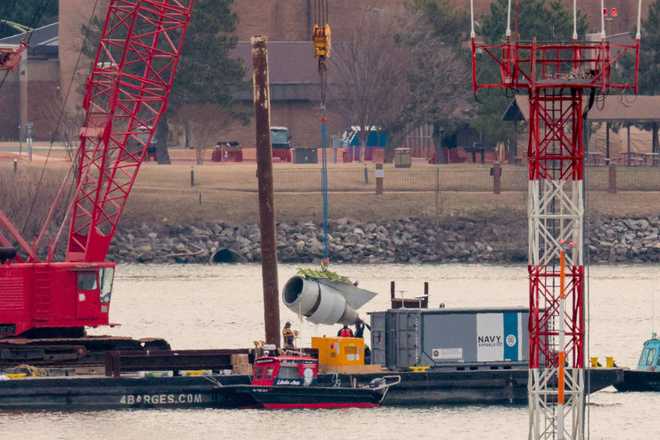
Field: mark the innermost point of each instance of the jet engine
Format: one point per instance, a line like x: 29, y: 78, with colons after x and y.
x: 325, y: 302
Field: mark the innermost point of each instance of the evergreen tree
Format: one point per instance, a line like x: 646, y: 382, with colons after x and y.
x: 438, y: 74
x: 545, y: 20
x: 649, y: 63
x: 30, y: 13
x: 206, y: 73
x: 649, y: 59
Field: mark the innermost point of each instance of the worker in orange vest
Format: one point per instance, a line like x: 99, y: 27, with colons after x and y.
x: 345, y: 332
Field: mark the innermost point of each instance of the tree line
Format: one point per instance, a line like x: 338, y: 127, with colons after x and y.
x: 401, y: 72
x: 396, y: 72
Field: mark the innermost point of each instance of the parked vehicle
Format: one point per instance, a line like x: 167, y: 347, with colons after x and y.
x: 280, y: 139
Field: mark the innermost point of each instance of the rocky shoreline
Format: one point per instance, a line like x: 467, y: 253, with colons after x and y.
x: 487, y: 239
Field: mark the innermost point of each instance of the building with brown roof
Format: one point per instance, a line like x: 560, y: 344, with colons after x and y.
x: 626, y: 113
x: 38, y: 102
x: 287, y: 23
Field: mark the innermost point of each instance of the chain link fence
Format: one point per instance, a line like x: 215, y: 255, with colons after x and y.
x: 469, y: 178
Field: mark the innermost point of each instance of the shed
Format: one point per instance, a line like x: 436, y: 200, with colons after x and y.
x: 624, y: 109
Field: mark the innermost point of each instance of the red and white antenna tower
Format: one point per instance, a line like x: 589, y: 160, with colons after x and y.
x: 561, y: 81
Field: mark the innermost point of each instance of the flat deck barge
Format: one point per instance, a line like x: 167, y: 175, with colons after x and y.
x: 503, y: 386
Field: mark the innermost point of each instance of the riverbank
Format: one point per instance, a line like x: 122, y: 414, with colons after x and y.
x: 490, y: 238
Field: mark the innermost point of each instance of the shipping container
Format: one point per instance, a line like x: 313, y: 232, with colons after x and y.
x: 403, y: 338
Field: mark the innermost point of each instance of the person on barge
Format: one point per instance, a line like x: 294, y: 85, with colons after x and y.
x: 289, y: 336
x: 345, y: 332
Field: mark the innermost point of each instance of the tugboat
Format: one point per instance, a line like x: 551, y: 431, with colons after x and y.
x: 292, y: 381
x: 646, y: 377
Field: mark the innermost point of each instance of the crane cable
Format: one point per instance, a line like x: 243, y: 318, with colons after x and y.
x: 321, y: 36
x: 60, y: 119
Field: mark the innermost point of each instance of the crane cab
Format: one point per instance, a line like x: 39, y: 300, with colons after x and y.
x: 649, y: 360
x: 54, y: 299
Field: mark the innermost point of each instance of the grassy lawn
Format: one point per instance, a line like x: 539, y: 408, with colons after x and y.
x: 228, y: 192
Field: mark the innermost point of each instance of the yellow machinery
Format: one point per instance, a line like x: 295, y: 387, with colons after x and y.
x: 321, y: 33
x: 339, y: 352
x: 609, y: 362
x: 322, y: 41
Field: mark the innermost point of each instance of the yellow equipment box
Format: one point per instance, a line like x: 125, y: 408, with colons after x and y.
x: 339, y: 351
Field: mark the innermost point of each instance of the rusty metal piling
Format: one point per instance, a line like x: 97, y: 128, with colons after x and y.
x: 261, y: 90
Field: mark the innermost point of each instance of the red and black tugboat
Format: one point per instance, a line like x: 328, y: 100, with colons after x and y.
x: 292, y: 381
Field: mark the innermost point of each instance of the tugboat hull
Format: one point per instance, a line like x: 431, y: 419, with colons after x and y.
x: 291, y: 397
x: 637, y: 380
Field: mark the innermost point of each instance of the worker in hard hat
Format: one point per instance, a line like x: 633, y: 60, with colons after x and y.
x: 360, y: 325
x: 359, y: 329
x: 289, y: 335
x: 345, y: 332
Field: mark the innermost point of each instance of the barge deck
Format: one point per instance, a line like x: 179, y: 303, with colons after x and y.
x: 427, y: 388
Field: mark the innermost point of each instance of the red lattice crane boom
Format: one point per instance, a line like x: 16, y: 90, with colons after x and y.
x: 126, y: 94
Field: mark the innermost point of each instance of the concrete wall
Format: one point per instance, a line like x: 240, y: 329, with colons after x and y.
x: 73, y: 15
x: 9, y: 110
x: 43, y: 101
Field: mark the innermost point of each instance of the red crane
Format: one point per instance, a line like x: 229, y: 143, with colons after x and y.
x: 126, y: 94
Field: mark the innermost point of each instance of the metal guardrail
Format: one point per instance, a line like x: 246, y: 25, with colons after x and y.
x: 117, y: 362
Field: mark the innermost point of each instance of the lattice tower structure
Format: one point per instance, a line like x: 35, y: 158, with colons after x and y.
x: 562, y: 80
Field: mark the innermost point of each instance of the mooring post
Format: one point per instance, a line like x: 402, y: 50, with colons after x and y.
x: 192, y: 177
x: 28, y: 140
x: 366, y: 174
x: 611, y: 187
x: 261, y: 96
x: 15, y: 165
x: 437, y: 193
x: 380, y: 176
x: 496, y: 172
x: 392, y: 289
x: 607, y: 141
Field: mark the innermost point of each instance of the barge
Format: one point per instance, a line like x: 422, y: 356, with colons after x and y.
x: 480, y: 386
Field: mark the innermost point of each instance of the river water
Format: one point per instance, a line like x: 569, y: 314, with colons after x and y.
x: 216, y: 306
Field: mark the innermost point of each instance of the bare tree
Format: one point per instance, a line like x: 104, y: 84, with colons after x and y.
x: 438, y: 72
x: 203, y: 124
x: 368, y: 85
x: 398, y: 74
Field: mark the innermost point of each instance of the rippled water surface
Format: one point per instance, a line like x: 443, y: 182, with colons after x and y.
x: 213, y: 307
